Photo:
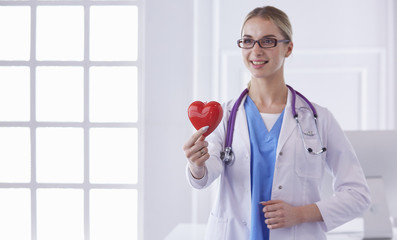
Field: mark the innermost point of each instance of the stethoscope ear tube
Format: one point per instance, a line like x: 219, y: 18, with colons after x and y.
x: 227, y: 156
x: 232, y: 119
x: 294, y: 93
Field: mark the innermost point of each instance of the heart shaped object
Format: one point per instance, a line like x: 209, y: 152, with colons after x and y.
x: 205, y: 114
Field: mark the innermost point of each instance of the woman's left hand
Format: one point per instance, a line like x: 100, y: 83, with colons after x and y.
x: 279, y: 214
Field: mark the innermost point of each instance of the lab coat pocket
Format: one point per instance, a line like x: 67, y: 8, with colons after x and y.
x: 216, y: 228
x: 306, y: 164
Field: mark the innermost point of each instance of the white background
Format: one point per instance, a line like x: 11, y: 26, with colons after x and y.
x: 341, y: 48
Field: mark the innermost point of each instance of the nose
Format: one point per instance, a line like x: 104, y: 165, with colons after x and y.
x: 257, y: 49
x: 256, y: 43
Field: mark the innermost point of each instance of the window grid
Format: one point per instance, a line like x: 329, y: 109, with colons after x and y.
x: 86, y: 186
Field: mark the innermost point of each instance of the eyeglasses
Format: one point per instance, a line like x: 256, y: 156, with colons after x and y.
x: 247, y: 43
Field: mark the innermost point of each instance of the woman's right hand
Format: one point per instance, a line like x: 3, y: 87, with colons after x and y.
x: 196, y: 151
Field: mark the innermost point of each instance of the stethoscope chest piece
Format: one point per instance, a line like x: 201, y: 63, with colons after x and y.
x: 227, y: 156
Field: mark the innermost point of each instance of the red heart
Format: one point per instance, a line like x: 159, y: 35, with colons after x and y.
x: 205, y: 114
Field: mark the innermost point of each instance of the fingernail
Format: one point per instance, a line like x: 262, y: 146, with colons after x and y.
x: 204, y: 129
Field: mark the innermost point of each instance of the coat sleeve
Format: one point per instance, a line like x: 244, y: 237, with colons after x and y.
x: 351, y: 193
x: 214, y: 165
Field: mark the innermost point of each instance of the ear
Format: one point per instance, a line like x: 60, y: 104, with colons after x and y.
x: 289, y: 49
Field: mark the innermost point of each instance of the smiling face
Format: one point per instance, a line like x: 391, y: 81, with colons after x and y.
x: 264, y: 63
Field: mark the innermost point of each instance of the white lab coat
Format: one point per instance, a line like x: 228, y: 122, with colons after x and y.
x: 297, y: 178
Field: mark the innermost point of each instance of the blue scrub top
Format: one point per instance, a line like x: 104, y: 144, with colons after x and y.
x: 263, y: 158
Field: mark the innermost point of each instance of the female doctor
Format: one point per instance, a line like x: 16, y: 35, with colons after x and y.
x: 272, y: 189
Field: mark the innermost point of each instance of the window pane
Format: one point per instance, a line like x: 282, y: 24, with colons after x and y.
x: 14, y: 94
x: 113, y: 94
x: 113, y: 214
x: 14, y: 155
x: 113, y: 155
x: 60, y: 94
x: 60, y: 155
x: 15, y: 33
x: 15, y: 214
x: 60, y: 214
x: 113, y: 33
x: 60, y: 33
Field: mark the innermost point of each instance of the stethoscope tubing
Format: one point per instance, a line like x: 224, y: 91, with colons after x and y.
x: 233, y: 113
x: 294, y: 93
x: 232, y: 119
x: 227, y: 156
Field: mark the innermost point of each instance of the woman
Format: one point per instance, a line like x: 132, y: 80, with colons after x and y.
x: 272, y: 190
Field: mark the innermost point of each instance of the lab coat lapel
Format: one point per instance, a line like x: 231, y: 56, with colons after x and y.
x: 242, y: 150
x: 289, y: 123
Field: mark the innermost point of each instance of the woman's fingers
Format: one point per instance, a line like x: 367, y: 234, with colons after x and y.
x: 196, y: 149
x: 196, y: 136
x: 279, y: 214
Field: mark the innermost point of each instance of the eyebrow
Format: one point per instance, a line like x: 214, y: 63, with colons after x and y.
x: 266, y: 36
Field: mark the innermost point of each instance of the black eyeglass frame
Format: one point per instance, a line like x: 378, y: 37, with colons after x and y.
x: 239, y: 41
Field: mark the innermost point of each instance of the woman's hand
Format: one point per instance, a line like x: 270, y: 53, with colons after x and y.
x: 279, y: 214
x: 196, y: 152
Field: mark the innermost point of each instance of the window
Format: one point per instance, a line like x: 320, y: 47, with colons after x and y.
x: 70, y: 122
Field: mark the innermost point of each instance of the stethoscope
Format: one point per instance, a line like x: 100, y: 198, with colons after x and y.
x: 227, y: 155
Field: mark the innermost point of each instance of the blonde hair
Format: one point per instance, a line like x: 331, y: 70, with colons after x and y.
x: 278, y: 17
x: 275, y: 15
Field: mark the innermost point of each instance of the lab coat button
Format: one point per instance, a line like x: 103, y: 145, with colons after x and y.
x: 280, y: 187
x: 281, y: 154
x: 244, y: 223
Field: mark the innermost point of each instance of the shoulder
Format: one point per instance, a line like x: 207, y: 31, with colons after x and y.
x: 327, y: 121
x: 228, y: 105
x: 324, y: 115
x: 321, y: 110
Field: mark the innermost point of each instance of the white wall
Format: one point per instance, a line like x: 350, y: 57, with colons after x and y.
x: 168, y: 92
x: 190, y: 54
x: 343, y: 47
x: 394, y: 66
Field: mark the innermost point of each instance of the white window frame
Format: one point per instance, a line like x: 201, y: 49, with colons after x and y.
x: 86, y: 124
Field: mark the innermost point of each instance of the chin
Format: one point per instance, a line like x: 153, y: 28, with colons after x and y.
x: 265, y: 75
x: 260, y: 76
